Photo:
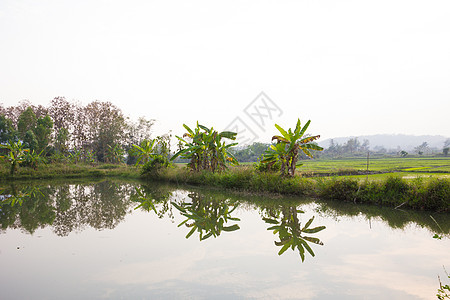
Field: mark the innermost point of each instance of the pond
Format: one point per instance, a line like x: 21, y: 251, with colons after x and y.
x: 135, y: 240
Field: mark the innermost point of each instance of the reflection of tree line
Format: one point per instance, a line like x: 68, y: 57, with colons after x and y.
x: 65, y: 207
x: 395, y: 218
x: 104, y: 205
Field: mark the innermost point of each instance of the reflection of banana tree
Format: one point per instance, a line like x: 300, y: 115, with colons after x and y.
x: 151, y: 197
x: 206, y: 217
x: 146, y: 202
x: 291, y: 233
x: 18, y: 197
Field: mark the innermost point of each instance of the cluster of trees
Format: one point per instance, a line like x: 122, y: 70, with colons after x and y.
x: 352, y: 147
x: 97, y: 131
x: 204, y: 149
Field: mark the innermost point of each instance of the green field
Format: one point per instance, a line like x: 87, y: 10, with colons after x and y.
x: 379, y: 168
x: 405, y: 167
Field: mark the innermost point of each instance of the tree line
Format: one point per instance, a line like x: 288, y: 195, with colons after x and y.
x: 98, y: 131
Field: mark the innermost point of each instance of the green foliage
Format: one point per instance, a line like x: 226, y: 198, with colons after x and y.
x: 30, y: 140
x: 61, y: 140
x: 75, y: 156
x: 43, y: 131
x: 291, y: 233
x: 7, y: 131
x: 208, y: 217
x: 16, y: 154
x: 144, y: 151
x: 250, y: 153
x: 286, y: 151
x: 114, y: 154
x: 155, y: 165
x: 340, y: 189
x: 437, y: 195
x: 395, y: 189
x: 267, y: 167
x: 33, y: 159
x: 444, y: 290
x: 205, y: 149
x: 26, y: 122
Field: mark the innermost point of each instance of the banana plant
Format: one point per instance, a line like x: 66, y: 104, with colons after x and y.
x: 114, y: 153
x: 206, y: 217
x: 291, y: 234
x: 75, y: 155
x: 16, y: 154
x: 33, y: 159
x: 144, y: 151
x: 205, y: 149
x: 287, y: 148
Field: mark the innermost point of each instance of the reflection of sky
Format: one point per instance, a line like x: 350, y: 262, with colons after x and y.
x: 148, y: 257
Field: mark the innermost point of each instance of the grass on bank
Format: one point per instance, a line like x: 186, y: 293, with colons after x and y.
x: 420, y: 193
x: 62, y: 170
x: 417, y: 190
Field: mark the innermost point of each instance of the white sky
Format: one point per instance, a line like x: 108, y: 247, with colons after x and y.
x: 352, y: 67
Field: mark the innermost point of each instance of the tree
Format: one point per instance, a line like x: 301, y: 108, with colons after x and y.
x: 26, y: 122
x: 43, y: 132
x: 205, y: 149
x: 144, y: 151
x: 7, y: 130
x: 352, y: 145
x: 447, y: 143
x: 286, y: 151
x: 15, y: 155
x: 365, y: 145
x: 105, y: 126
x: 30, y: 140
x: 422, y: 148
x: 62, y: 139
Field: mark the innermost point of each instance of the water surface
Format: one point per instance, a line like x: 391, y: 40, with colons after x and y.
x: 122, y: 240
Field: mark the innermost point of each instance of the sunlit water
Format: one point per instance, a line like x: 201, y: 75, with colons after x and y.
x: 87, y: 241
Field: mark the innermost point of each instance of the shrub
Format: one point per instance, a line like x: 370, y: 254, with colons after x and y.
x: 437, y: 195
x: 371, y: 192
x: 267, y: 167
x: 342, y: 189
x: 395, y: 190
x: 155, y: 166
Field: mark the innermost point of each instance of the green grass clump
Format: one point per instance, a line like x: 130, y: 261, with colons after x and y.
x: 437, y: 195
x: 340, y: 189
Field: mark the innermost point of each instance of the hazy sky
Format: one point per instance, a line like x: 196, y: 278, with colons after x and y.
x: 352, y: 67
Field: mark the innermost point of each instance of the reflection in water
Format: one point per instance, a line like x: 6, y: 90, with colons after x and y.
x: 153, y: 198
x: 356, y: 264
x: 103, y: 205
x: 206, y: 215
x: 66, y: 207
x: 289, y: 230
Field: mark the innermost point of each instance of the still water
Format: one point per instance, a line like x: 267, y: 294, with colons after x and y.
x: 134, y: 240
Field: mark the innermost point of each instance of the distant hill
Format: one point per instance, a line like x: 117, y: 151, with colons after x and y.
x: 392, y: 141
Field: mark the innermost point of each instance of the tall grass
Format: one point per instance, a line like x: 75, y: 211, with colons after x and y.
x: 393, y: 191
x: 61, y: 170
